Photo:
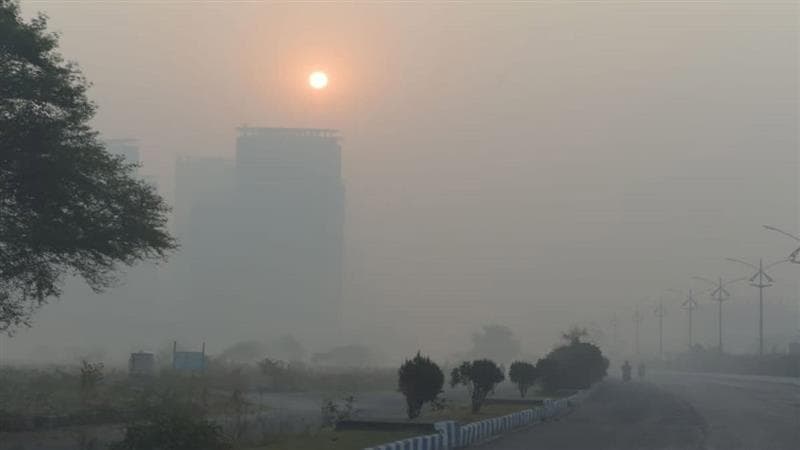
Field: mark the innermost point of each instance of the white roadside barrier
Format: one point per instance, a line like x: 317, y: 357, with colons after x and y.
x: 453, y: 435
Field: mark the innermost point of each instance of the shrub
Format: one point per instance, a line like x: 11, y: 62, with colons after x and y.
x: 172, y: 424
x: 420, y: 380
x: 91, y: 376
x: 333, y: 413
x: 524, y: 375
x: 480, y: 376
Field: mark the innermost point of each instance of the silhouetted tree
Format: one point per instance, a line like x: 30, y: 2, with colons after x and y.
x: 66, y: 205
x: 549, y: 373
x: 420, y: 380
x: 524, y: 375
x: 575, y: 334
x: 480, y: 376
x: 575, y: 365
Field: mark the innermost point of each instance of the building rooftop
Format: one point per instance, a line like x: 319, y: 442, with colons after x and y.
x: 281, y: 131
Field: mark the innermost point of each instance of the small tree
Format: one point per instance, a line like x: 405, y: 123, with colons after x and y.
x: 480, y: 376
x: 524, y: 375
x: 420, y: 380
x: 91, y: 376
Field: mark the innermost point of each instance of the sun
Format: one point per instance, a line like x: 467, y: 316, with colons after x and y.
x: 318, y: 80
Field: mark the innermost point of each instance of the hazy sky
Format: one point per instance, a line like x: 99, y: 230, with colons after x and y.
x: 533, y: 165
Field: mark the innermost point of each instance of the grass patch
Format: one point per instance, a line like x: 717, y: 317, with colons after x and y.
x: 464, y: 414
x: 339, y: 440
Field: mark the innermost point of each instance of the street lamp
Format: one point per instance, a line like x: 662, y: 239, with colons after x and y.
x: 760, y: 280
x: 719, y: 295
x: 795, y: 255
x: 689, y: 305
x: 660, y: 312
x: 637, y: 320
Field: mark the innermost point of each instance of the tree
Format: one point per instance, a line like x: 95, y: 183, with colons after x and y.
x: 480, y: 376
x: 495, y: 341
x: 575, y: 334
x: 67, y: 206
x: 420, y: 380
x: 575, y: 365
x: 549, y: 373
x: 91, y: 377
x: 524, y: 375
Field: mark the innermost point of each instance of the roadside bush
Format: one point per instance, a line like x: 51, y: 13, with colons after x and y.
x: 524, y: 375
x: 172, y: 424
x: 420, y: 380
x: 480, y: 376
x: 333, y: 413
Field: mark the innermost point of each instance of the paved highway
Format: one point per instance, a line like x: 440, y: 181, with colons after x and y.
x: 675, y: 411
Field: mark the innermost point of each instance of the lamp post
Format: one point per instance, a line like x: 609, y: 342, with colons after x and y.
x: 637, y: 319
x: 719, y: 295
x: 689, y: 305
x: 660, y: 312
x: 795, y: 255
x: 761, y: 281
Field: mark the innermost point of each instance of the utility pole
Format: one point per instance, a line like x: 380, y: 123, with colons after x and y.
x: 660, y: 312
x: 689, y: 305
x: 719, y: 295
x: 760, y: 280
x: 637, y: 319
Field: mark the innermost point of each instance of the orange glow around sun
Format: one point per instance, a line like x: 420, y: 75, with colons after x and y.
x: 318, y: 80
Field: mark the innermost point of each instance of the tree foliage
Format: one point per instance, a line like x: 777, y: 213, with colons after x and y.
x: 420, y: 380
x: 172, y: 423
x: 524, y: 375
x: 549, y: 373
x: 575, y: 365
x: 480, y: 376
x: 67, y: 206
x: 575, y: 334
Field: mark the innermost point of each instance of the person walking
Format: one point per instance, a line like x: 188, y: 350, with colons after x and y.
x: 626, y: 371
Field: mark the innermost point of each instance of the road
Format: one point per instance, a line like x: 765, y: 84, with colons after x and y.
x: 674, y: 411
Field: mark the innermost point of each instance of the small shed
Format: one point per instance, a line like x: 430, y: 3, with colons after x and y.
x: 192, y: 362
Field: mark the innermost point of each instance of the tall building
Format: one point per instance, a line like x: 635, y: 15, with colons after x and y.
x: 199, y: 180
x: 265, y: 251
